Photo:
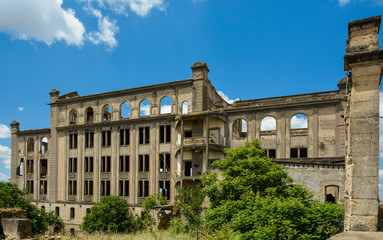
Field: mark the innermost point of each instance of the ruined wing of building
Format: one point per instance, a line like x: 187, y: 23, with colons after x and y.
x: 160, y: 138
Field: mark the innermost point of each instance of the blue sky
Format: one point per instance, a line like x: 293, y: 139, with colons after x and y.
x: 254, y: 49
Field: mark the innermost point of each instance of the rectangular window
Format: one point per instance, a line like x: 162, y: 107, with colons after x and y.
x: 106, y: 138
x: 143, y: 188
x: 57, y: 211
x: 88, y: 187
x: 124, y: 163
x: 89, y: 137
x: 88, y: 165
x: 105, y: 187
x: 144, y: 135
x: 105, y: 164
x: 72, y: 187
x: 123, y: 189
x: 164, y: 162
x: 164, y: 188
x: 124, y: 137
x: 188, y: 134
x: 298, y: 153
x: 72, y: 213
x: 165, y: 134
x: 294, y: 153
x: 72, y: 165
x: 188, y: 169
x: 30, y: 186
x: 303, y: 152
x: 43, y: 168
x: 143, y: 163
x: 73, y: 141
x: 43, y: 187
x: 29, y: 166
x: 271, y: 153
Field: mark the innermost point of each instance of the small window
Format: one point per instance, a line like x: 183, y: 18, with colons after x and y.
x: 105, y: 164
x: 43, y: 187
x: 43, y: 208
x: 88, y: 210
x: 57, y: 211
x: 165, y: 134
x: 44, y: 145
x: 106, y: 113
x: 123, y: 189
x: 143, y: 188
x: 72, y: 165
x: 30, y: 186
x: 144, y: 135
x: 143, y: 163
x: 30, y: 167
x: 43, y: 168
x: 89, y: 115
x: 72, y: 215
x: 164, y: 162
x: 124, y: 163
x: 271, y: 153
x: 166, y: 105
x: 106, y: 138
x: 332, y: 194
x: 73, y: 117
x: 73, y: 141
x: 303, y: 152
x: 298, y: 121
x: 105, y: 188
x: 294, y: 153
x: 89, y: 139
x: 145, y: 108
x: 188, y: 169
x: 125, y: 110
x: 185, y: 107
x: 164, y: 189
x: 88, y: 165
x: 124, y: 137
x: 88, y: 187
x: 298, y: 153
x: 72, y: 187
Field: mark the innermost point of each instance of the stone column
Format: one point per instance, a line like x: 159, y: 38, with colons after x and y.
x: 364, y: 58
x: 15, y: 125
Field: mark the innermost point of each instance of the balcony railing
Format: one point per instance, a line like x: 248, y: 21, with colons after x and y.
x: 202, y: 141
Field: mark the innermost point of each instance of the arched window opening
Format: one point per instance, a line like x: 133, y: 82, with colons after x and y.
x: 268, y: 124
x: 44, y: 145
x: 166, y: 105
x: 145, y: 108
x: 89, y: 115
x: 20, y: 168
x: 73, y: 117
x: 332, y: 194
x: 298, y: 121
x: 240, y: 129
x: 106, y: 113
x: 125, y: 110
x: 30, y: 145
x: 185, y: 107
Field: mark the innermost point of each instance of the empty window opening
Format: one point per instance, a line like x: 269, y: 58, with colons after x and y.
x: 72, y: 216
x: 332, y: 194
x: 298, y: 153
x: 72, y: 165
x: 165, y: 134
x: 143, y: 188
x: 30, y: 186
x: 73, y: 141
x: 294, y: 153
x: 105, y: 164
x: 240, y: 129
x: 89, y: 115
x: 43, y: 187
x: 145, y: 108
x: 57, y: 211
x: 43, y: 168
x: 73, y: 117
x: 72, y: 232
x: 123, y: 188
x: 125, y: 110
x: 143, y: 163
x: 144, y: 135
x: 271, y: 153
x: 164, y: 188
x: 89, y: 139
x: 43, y: 208
x: 166, y: 105
x: 30, y: 145
x: 188, y: 169
x: 88, y: 187
x: 268, y: 124
x: 56, y: 230
x: 88, y: 165
x: 44, y: 145
x: 106, y: 113
x: 188, y: 134
x: 20, y: 168
x: 303, y: 152
x: 106, y: 138
x: 105, y: 188
x: 30, y: 168
x: 88, y: 210
x: 298, y: 121
x: 124, y: 163
x: 72, y: 187
x: 164, y: 162
x: 185, y: 107
x: 124, y: 137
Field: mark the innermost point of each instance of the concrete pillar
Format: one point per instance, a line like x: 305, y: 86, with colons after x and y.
x: 15, y: 125
x: 364, y: 58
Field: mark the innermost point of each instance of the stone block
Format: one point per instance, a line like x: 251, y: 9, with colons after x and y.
x: 361, y: 207
x: 364, y: 125
x: 364, y: 110
x: 365, y: 71
x: 364, y: 187
x: 16, y: 228
x: 361, y: 223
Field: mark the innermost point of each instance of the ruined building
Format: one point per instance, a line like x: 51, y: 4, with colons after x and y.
x: 159, y: 138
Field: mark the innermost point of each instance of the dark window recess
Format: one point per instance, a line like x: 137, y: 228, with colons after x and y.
x: 271, y: 153
x: 124, y: 163
x: 88, y: 210
x: 303, y: 152
x: 43, y: 168
x: 143, y: 163
x: 105, y: 188
x: 294, y: 153
x: 73, y: 141
x: 29, y: 166
x: 123, y: 189
x: 144, y: 135
x: 188, y: 169
x: 298, y: 153
x: 72, y: 213
x: 89, y: 137
x: 105, y: 164
x: 165, y: 134
x: 30, y: 186
x: 143, y: 188
x: 72, y: 187
x: 124, y: 137
x: 72, y: 165
x: 188, y: 134
x: 43, y: 187
x: 88, y: 187
x: 164, y: 162
x: 88, y: 165
x: 57, y: 211
x: 164, y: 188
x: 106, y: 138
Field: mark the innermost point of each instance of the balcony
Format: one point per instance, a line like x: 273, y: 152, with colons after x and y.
x: 201, y: 141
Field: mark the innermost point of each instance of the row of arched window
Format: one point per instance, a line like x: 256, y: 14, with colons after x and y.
x: 31, y: 145
x: 145, y: 110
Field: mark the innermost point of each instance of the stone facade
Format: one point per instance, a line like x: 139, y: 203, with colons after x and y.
x: 102, y: 144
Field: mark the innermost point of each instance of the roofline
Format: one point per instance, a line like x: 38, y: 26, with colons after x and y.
x: 34, y: 131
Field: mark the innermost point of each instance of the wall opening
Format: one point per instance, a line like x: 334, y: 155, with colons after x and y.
x: 73, y: 117
x: 106, y: 113
x: 43, y: 168
x: 125, y: 110
x: 30, y: 145
x: 145, y: 108
x: 185, y: 107
x: 89, y: 115
x: 239, y: 129
x: 268, y: 124
x: 332, y: 194
x: 166, y: 105
x: 299, y: 121
x: 44, y: 145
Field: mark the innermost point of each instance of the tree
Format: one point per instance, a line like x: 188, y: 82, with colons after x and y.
x: 111, y: 214
x: 256, y: 199
x: 12, y: 197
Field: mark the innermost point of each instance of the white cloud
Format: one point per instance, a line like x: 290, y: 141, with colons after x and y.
x: 5, y: 156
x: 5, y: 132
x: 145, y: 110
x: 268, y: 123
x: 166, y: 109
x: 345, y: 2
x: 299, y: 121
x: 20, y: 109
x: 3, y: 177
x: 226, y: 98
x: 40, y: 20
x: 106, y: 30
x: 381, y: 174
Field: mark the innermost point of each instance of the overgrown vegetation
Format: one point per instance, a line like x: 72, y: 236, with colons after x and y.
x: 12, y: 197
